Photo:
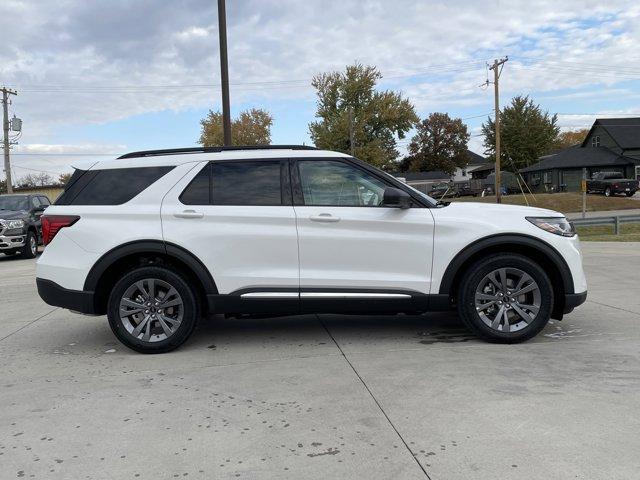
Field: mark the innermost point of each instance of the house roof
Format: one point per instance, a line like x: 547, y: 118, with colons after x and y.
x: 577, y: 157
x: 484, y: 166
x: 624, y: 131
x: 475, y: 159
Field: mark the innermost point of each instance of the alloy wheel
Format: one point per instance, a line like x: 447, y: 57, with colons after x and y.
x: 151, y: 310
x: 507, y: 299
x: 33, y: 245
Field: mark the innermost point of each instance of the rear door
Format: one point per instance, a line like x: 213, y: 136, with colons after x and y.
x: 350, y: 245
x: 237, y: 218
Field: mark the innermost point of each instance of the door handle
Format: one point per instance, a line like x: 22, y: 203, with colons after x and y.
x: 188, y: 214
x: 324, y: 217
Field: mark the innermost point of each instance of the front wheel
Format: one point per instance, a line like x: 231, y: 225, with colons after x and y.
x: 30, y: 249
x: 152, y: 310
x: 630, y: 194
x: 505, y: 298
x: 607, y: 192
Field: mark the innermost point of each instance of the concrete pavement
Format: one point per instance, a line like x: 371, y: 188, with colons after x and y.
x: 325, y: 397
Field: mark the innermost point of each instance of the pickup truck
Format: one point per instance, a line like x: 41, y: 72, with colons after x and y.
x: 20, y: 225
x: 611, y: 183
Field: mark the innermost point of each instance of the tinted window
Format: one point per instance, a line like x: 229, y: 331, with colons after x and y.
x: 109, y: 187
x: 44, y: 201
x: 246, y: 183
x: 197, y: 192
x: 339, y: 184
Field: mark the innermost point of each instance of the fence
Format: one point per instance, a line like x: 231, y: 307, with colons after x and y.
x: 616, y: 221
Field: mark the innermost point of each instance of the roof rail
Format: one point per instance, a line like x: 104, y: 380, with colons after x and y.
x: 181, y: 151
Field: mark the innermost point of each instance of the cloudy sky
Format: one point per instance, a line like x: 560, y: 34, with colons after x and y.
x: 110, y: 76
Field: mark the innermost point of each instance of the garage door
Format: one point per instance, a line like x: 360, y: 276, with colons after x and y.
x: 572, y: 179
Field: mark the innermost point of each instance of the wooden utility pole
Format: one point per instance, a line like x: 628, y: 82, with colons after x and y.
x: 496, y: 89
x: 224, y: 72
x: 5, y: 129
x: 352, y: 142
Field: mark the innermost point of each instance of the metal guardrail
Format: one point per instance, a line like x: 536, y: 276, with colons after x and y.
x: 615, y: 220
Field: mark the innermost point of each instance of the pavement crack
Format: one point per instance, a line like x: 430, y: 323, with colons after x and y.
x: 373, y: 397
x: 25, y: 326
x: 611, y: 306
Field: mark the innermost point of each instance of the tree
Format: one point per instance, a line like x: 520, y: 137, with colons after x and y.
x: 526, y: 133
x: 378, y: 117
x: 252, y: 127
x: 439, y: 144
x: 570, y: 138
x: 35, y: 180
x: 64, y: 178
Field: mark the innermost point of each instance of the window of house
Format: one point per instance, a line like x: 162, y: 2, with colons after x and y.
x: 595, y: 141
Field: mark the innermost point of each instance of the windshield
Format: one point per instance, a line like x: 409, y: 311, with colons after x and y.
x: 14, y: 202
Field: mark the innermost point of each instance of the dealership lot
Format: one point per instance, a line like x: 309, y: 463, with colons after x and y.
x: 325, y: 397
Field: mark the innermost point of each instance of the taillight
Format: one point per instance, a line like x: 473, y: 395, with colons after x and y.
x: 615, y: 185
x: 51, y: 225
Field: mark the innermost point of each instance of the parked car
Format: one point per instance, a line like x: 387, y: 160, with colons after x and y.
x: 612, y: 183
x: 20, y: 226
x: 156, y: 239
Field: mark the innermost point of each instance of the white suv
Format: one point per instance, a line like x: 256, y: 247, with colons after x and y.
x: 157, y: 239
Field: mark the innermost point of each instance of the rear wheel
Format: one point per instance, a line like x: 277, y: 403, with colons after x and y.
x: 630, y: 194
x: 505, y: 298
x: 152, y: 310
x: 30, y: 249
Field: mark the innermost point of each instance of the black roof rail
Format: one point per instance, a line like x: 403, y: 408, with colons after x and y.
x: 181, y: 151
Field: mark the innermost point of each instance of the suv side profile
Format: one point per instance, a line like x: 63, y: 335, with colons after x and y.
x: 157, y: 239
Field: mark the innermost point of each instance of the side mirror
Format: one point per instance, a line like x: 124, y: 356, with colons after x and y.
x: 396, y: 198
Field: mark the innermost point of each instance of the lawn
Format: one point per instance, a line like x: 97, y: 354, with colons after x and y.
x: 629, y: 232
x: 561, y: 202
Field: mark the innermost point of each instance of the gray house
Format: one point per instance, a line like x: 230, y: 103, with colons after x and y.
x: 612, y: 145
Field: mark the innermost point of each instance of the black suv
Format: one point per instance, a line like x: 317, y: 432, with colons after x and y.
x: 20, y: 226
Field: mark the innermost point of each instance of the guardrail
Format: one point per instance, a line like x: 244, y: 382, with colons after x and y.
x: 616, y: 221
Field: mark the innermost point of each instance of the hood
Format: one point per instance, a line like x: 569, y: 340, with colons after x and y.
x: 477, y: 208
x: 13, y: 214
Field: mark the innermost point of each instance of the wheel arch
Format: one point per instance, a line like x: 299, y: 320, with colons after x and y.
x: 537, y: 250
x: 115, y: 262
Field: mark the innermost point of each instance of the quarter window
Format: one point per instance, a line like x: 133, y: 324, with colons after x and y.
x: 327, y: 182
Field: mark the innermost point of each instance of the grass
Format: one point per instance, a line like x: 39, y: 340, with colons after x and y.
x: 561, y: 202
x: 629, y: 232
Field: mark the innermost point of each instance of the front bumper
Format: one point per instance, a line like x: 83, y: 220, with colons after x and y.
x: 11, y: 242
x: 572, y: 300
x: 57, y: 296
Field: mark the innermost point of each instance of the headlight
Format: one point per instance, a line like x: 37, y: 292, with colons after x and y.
x: 11, y: 224
x: 558, y: 225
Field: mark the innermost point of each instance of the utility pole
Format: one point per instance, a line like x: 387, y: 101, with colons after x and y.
x: 224, y: 72
x: 496, y: 89
x: 5, y: 129
x: 352, y: 143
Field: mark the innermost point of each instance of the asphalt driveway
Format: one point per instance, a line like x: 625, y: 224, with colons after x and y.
x: 325, y: 397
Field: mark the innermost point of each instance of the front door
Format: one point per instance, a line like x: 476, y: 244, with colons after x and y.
x: 351, y: 246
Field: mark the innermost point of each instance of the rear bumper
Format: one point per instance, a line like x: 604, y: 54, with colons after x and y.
x: 572, y: 300
x: 57, y: 296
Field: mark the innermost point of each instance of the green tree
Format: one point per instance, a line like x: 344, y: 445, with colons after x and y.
x: 378, y: 117
x: 526, y: 133
x: 252, y: 127
x: 440, y: 143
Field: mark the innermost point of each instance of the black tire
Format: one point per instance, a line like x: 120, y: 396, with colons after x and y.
x: 607, y: 192
x: 477, y: 272
x: 630, y: 194
x: 190, y: 310
x: 30, y: 249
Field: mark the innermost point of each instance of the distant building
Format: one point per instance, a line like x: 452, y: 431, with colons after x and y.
x: 612, y: 145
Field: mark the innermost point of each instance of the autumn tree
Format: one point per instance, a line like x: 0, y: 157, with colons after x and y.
x: 63, y: 178
x: 348, y: 100
x: 440, y: 143
x: 252, y: 127
x: 570, y: 138
x: 526, y: 133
